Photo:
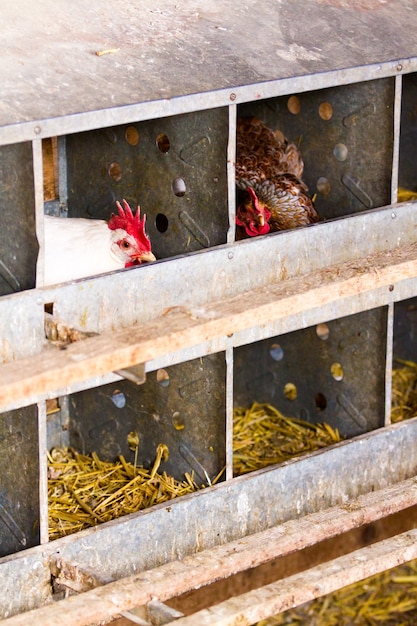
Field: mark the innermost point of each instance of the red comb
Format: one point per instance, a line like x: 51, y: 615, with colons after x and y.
x: 132, y: 224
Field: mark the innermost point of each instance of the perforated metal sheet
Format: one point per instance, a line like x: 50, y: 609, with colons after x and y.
x: 337, y: 369
x: 345, y: 135
x: 175, y: 169
x: 181, y: 406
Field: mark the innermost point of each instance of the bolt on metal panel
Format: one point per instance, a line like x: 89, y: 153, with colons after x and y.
x: 19, y: 479
x: 333, y: 372
x: 18, y: 242
x: 175, y: 168
x: 182, y: 406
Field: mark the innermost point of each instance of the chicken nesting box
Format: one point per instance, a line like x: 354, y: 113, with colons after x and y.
x: 215, y: 323
x: 177, y: 167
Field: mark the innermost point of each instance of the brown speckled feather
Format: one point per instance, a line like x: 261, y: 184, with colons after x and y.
x: 274, y: 169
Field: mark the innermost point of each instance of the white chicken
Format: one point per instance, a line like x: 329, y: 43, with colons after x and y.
x: 76, y: 248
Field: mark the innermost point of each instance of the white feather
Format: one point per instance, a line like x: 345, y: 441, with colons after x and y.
x: 76, y: 248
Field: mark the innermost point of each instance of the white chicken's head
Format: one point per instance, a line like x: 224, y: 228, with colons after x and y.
x: 253, y: 215
x: 131, y: 242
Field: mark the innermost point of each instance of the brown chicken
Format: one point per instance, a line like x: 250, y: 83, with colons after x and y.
x: 271, y: 194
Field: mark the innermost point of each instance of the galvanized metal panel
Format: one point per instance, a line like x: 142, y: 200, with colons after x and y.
x: 160, y: 54
x: 31, y: 569
x: 22, y: 325
x: 141, y: 294
x: 194, y: 280
x: 222, y: 513
x: 18, y: 243
x: 19, y: 495
x: 345, y: 135
x: 182, y: 407
x: 408, y: 136
x: 175, y: 168
x: 338, y: 371
x: 247, y: 504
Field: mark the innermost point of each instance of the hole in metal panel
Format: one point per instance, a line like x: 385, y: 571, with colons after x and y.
x: 320, y: 401
x: 326, y: 111
x: 276, y: 352
x: 49, y: 308
x: 115, y: 171
x: 178, y: 187
x: 133, y: 440
x: 340, y: 152
x: 118, y: 398
x: 337, y: 371
x: 132, y: 135
x: 162, y: 377
x: 322, y: 331
x: 323, y: 186
x: 294, y: 105
x: 290, y: 391
x: 161, y: 223
x: 163, y: 143
x: 178, y: 421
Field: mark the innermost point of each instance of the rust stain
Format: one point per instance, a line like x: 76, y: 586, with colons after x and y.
x: 6, y: 351
x: 84, y: 318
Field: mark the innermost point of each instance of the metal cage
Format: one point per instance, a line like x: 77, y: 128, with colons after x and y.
x: 215, y: 323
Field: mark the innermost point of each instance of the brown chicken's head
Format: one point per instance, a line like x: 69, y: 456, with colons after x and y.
x: 132, y: 241
x: 253, y: 215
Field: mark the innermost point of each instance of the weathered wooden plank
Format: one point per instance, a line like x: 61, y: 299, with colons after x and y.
x: 269, y: 600
x: 194, y: 571
x: 181, y: 327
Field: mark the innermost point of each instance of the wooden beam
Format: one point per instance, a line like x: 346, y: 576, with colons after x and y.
x: 192, y: 572
x: 180, y: 328
x: 251, y: 607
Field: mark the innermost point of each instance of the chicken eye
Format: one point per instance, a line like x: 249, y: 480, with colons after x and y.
x: 126, y: 245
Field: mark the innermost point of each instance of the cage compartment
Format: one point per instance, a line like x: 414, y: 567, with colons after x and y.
x: 345, y: 135
x: 182, y: 406
x: 336, y: 371
x: 225, y: 513
x: 175, y: 168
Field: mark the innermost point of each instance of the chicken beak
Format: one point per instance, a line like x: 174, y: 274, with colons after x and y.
x: 261, y: 220
x: 146, y: 257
